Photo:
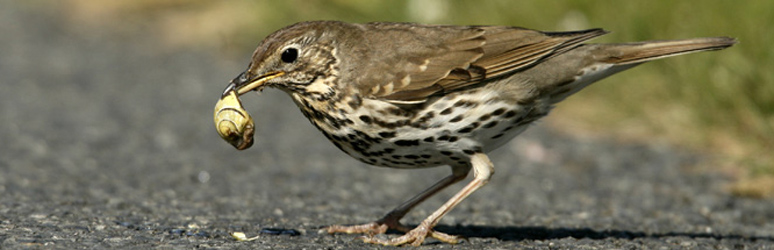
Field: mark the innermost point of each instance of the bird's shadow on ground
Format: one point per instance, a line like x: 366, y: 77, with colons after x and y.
x: 543, y: 233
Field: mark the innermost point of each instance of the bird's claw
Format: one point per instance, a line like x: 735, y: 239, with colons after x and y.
x: 414, y: 237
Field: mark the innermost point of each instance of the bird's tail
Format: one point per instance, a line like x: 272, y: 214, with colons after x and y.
x: 598, y: 61
x: 639, y: 52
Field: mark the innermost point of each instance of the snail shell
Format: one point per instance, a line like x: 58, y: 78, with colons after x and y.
x: 232, y: 122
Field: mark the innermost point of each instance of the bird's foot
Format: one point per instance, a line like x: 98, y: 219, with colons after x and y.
x: 415, y: 237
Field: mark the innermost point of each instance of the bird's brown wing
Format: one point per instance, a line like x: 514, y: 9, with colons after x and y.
x: 425, y: 60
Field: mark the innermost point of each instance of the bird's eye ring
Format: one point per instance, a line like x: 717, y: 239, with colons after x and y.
x: 289, y: 55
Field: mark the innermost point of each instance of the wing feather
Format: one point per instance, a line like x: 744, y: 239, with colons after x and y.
x: 425, y: 60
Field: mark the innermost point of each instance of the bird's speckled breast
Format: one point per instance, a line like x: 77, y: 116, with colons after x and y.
x: 443, y: 131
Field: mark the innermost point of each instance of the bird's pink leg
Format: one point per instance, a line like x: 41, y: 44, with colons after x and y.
x: 392, y: 219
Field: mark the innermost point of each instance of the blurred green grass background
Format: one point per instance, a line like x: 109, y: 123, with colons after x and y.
x: 718, y: 103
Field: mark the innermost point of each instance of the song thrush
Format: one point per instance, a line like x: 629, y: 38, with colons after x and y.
x: 405, y: 95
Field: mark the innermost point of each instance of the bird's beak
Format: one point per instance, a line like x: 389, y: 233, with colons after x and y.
x: 243, y: 85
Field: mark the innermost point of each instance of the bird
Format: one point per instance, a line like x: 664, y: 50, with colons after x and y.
x: 408, y: 95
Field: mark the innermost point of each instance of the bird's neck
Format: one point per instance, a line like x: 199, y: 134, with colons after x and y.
x: 326, y: 106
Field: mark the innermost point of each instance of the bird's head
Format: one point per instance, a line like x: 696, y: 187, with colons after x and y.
x: 300, y: 59
x: 291, y: 59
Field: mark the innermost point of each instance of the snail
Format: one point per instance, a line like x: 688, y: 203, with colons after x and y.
x: 232, y: 121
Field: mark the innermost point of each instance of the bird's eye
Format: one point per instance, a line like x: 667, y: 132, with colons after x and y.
x: 289, y: 55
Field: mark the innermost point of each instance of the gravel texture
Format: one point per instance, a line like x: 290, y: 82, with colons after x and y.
x: 108, y: 142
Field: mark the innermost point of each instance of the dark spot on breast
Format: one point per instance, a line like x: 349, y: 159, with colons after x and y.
x: 446, y: 153
x: 469, y: 128
x: 397, y: 156
x: 490, y: 124
x: 443, y: 138
x: 465, y: 103
x: 359, y: 145
x: 484, y: 117
x: 468, y: 151
x: 413, y: 157
x: 446, y: 111
x: 407, y: 143
x: 429, y: 139
x: 336, y: 125
x: 387, y: 134
x: 499, y: 111
x: 367, y: 137
x: 389, y: 150
x: 317, y: 114
x: 366, y: 119
x: 426, y: 156
x: 456, y: 119
x: 387, y: 125
x: 453, y: 139
x: 454, y: 158
x: 497, y: 136
x: 510, y: 113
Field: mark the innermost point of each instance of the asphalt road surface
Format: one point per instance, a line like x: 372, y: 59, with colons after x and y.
x: 108, y: 142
